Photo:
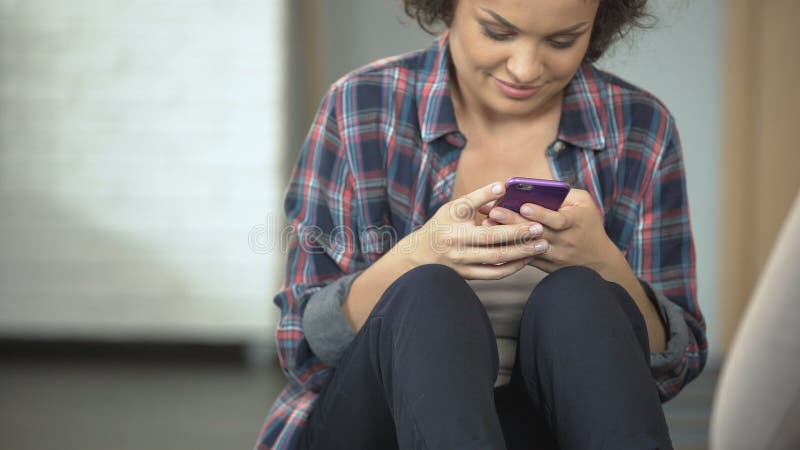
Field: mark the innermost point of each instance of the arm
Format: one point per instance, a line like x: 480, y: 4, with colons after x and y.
x: 337, y: 312
x: 618, y: 270
x: 368, y: 287
x: 317, y: 203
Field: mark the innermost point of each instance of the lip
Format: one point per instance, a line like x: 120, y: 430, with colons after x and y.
x: 517, y: 91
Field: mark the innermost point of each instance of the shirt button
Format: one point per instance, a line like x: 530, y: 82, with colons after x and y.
x: 558, y: 146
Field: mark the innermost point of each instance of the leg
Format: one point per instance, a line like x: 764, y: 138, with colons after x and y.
x: 584, y: 362
x: 419, y: 374
x: 524, y: 427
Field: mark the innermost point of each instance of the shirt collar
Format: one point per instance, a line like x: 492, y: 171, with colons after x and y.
x: 581, y: 115
x: 436, y: 114
x: 580, y: 122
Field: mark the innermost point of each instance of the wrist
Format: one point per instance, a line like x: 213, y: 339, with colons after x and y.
x: 612, y: 264
x: 410, y: 251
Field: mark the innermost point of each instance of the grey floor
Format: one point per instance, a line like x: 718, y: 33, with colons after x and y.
x: 107, y: 403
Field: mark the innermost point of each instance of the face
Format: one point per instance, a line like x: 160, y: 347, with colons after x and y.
x: 514, y: 57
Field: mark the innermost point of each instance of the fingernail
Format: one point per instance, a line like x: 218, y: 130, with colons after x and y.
x: 540, y: 247
x: 535, y: 229
x: 496, y: 188
x: 526, y: 210
x: 496, y: 214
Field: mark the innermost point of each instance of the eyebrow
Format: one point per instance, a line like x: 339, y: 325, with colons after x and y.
x: 508, y: 24
x: 500, y: 19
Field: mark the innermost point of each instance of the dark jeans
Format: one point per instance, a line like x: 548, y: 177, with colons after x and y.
x: 420, y: 373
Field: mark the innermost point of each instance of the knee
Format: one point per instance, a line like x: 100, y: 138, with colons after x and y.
x: 432, y: 310
x: 432, y: 293
x: 574, y: 311
x: 425, y: 285
x: 429, y: 280
x: 567, y: 288
x: 430, y: 275
x: 569, y: 298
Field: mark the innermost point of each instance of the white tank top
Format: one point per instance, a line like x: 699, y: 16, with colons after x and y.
x: 504, y: 301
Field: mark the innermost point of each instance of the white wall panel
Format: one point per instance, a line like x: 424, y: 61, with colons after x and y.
x: 140, y: 143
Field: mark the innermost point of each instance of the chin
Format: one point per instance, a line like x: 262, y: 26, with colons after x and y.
x: 512, y: 107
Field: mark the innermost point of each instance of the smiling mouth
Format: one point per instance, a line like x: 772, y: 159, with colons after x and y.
x: 517, y: 91
x: 519, y: 87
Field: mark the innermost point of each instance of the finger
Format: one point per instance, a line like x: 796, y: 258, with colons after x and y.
x: 545, y: 259
x: 547, y: 217
x: 501, y: 254
x: 543, y: 265
x: 550, y: 236
x: 501, y: 234
x: 492, y: 272
x: 550, y: 253
x: 465, y: 207
x: 485, y: 208
x: 526, y: 231
x: 506, y: 216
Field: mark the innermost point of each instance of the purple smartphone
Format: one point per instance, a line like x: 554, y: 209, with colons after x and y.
x: 547, y: 193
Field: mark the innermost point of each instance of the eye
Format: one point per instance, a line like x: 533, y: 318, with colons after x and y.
x: 561, y: 44
x: 495, y: 36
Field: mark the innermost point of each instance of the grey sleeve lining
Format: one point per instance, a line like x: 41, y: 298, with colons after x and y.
x: 325, y: 327
x: 677, y: 332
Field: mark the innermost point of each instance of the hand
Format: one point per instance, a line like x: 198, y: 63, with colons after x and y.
x: 574, y: 234
x: 451, y: 238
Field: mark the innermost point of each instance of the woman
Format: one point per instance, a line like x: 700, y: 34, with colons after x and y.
x: 410, y: 319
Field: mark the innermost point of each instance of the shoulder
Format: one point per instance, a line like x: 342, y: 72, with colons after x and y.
x: 635, y: 106
x: 631, y: 120
x: 368, y: 86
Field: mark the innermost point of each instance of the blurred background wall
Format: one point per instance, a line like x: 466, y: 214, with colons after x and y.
x: 145, y: 147
x: 760, y: 158
x: 140, y: 153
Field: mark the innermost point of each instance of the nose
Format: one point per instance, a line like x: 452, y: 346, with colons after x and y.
x: 524, y: 65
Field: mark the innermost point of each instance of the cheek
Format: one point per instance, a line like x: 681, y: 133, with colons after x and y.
x: 474, y: 51
x: 483, y: 56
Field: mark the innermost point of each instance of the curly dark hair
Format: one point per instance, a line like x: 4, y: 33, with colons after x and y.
x: 614, y: 19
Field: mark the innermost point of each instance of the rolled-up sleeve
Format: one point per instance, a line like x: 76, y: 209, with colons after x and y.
x: 324, y: 322
x: 662, y: 255
x: 319, y: 206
